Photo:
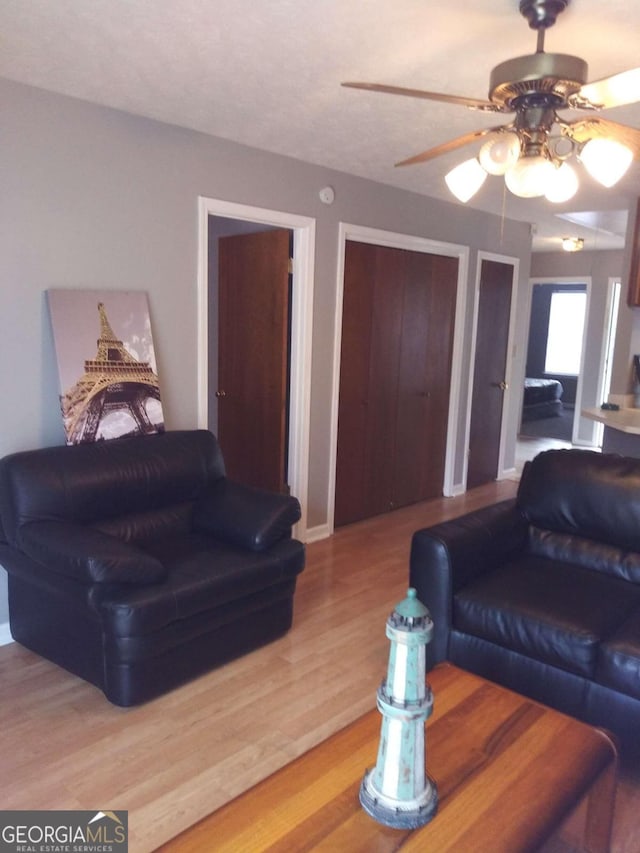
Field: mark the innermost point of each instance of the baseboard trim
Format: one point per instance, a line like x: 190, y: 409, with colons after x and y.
x: 5, y: 634
x: 456, y: 490
x: 315, y: 534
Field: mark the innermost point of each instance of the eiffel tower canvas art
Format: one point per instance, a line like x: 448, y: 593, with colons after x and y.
x: 106, y: 363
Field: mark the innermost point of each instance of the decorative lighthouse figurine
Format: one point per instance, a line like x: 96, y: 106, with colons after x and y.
x: 397, y: 791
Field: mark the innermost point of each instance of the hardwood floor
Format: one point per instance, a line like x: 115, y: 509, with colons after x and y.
x: 174, y: 760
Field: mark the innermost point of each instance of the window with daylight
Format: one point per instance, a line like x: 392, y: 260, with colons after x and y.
x: 564, y: 338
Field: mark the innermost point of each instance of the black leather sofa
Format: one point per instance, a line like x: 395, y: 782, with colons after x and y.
x: 542, y: 593
x: 137, y: 565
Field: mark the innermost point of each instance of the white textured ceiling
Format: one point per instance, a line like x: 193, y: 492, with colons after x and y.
x: 267, y: 73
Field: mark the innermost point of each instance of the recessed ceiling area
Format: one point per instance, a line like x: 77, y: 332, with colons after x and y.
x: 269, y: 75
x: 600, y: 229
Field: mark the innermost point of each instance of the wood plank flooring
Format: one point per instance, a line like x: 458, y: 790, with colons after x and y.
x: 173, y: 760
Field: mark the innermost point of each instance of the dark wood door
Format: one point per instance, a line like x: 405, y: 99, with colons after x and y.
x: 489, y: 382
x: 253, y: 279
x: 424, y: 377
x: 397, y: 338
x: 371, y: 326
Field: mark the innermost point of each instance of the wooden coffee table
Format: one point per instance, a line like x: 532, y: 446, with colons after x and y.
x: 508, y: 771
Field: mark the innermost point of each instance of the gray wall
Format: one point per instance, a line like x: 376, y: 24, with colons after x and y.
x: 93, y: 198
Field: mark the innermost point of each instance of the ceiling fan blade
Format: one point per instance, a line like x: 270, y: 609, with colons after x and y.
x: 591, y: 128
x: 446, y: 147
x: 471, y: 103
x: 614, y: 91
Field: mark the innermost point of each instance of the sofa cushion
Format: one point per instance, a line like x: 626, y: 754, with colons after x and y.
x: 244, y: 515
x: 557, y: 613
x: 619, y: 658
x: 585, y: 552
x: 584, y: 493
x: 88, y: 555
x: 241, y: 615
x: 203, y: 574
x: 145, y: 526
x: 88, y: 483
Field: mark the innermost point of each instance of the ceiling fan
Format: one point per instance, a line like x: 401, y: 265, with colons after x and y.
x: 532, y: 150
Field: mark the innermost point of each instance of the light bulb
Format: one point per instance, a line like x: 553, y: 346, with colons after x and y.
x: 606, y: 160
x: 499, y: 152
x: 572, y: 244
x: 530, y: 176
x: 466, y: 179
x: 562, y: 185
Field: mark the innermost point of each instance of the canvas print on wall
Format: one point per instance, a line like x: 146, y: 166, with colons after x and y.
x: 106, y: 363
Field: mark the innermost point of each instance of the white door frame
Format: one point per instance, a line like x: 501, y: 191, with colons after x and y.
x: 502, y: 471
x: 586, y: 281
x: 363, y: 234
x: 301, y: 330
x: 610, y: 322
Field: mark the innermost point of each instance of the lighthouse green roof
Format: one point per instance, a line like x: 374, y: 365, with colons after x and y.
x: 411, y: 607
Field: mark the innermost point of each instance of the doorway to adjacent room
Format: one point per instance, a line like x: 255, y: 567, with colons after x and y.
x: 553, y: 383
x: 556, y: 432
x: 297, y: 384
x: 253, y: 335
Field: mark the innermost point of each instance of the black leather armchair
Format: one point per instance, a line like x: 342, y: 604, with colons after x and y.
x: 542, y: 593
x: 136, y: 564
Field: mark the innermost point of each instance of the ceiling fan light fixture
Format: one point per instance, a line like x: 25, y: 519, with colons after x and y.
x: 573, y: 244
x: 606, y: 160
x: 563, y: 184
x: 532, y: 150
x: 500, y: 152
x: 465, y: 179
x: 530, y: 176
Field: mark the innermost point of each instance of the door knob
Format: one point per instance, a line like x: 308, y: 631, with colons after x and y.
x: 501, y: 385
x: 221, y: 393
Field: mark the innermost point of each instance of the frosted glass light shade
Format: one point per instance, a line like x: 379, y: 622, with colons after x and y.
x: 606, y: 160
x: 499, y: 153
x: 562, y: 185
x: 530, y: 176
x: 466, y: 179
x: 572, y: 244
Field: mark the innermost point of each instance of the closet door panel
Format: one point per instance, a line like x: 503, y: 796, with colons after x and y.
x: 357, y: 311
x: 424, y: 377
x: 397, y: 341
x: 384, y: 364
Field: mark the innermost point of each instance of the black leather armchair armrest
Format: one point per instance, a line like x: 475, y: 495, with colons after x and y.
x: 88, y: 555
x: 246, y: 516
x: 447, y: 556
